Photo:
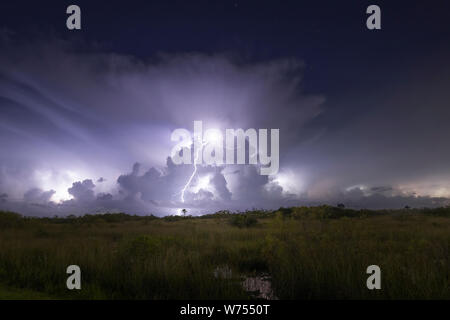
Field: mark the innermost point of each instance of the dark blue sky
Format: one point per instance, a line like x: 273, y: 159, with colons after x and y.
x: 329, y: 35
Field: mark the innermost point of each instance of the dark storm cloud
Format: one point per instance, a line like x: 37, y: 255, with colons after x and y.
x: 378, y: 199
x: 114, y: 109
x: 105, y: 197
x: 153, y: 184
x: 3, y: 197
x: 37, y: 195
x: 70, y: 117
x: 82, y: 191
x: 219, y: 183
x: 163, y: 187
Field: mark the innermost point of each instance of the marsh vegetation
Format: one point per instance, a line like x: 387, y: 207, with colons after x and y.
x: 306, y: 252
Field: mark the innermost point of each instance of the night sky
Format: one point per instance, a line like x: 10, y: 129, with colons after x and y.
x: 86, y: 115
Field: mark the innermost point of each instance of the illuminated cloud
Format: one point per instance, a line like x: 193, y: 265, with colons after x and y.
x: 70, y: 118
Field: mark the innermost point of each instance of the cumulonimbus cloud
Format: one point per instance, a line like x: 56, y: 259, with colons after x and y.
x: 71, y: 117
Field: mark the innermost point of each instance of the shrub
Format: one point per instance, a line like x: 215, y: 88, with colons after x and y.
x: 10, y: 219
x: 243, y: 220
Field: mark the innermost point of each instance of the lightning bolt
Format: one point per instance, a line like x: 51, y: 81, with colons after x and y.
x: 186, y: 186
x: 204, y: 143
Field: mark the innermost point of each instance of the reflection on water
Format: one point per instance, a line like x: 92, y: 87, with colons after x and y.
x: 259, y: 286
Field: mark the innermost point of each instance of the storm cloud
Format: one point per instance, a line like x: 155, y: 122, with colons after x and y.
x: 71, y: 117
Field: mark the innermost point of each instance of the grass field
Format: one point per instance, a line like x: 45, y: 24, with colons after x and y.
x: 305, y: 253
x: 9, y: 293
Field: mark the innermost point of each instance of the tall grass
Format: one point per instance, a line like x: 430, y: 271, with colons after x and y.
x: 310, y: 253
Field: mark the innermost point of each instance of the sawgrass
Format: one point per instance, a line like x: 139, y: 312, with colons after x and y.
x: 309, y: 253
